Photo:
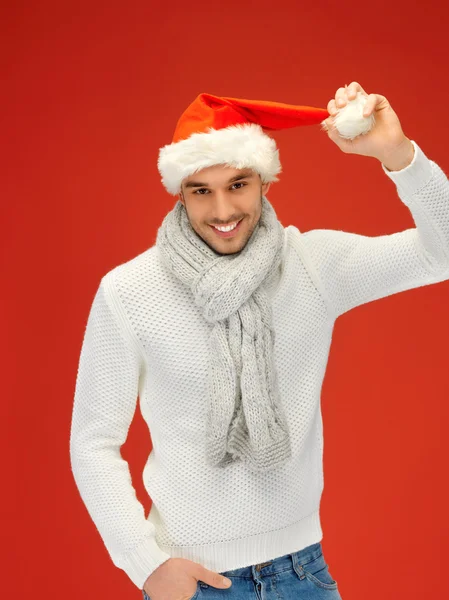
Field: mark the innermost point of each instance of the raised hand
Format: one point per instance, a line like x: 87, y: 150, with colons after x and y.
x: 386, y: 141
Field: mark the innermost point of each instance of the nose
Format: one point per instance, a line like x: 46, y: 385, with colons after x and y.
x: 223, y: 209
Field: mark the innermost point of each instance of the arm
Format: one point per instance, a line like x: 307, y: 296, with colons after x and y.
x: 106, y: 392
x: 354, y: 269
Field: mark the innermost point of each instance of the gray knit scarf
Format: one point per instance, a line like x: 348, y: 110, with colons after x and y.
x: 245, y: 418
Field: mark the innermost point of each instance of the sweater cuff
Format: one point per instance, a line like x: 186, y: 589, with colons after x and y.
x: 414, y: 176
x: 139, y: 563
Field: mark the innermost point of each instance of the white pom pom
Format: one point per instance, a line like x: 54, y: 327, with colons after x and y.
x: 350, y: 121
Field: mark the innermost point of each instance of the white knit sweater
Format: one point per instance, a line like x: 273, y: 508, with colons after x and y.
x: 145, y: 338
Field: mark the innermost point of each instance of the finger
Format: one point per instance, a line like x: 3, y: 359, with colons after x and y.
x: 331, y: 108
x: 373, y: 101
x: 324, y: 126
x: 340, y: 97
x: 353, y: 88
x: 344, y: 94
x: 328, y: 126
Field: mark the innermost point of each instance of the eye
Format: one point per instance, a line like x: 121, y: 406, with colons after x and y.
x: 206, y: 190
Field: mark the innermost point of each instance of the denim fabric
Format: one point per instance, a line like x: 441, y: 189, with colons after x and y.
x: 301, y: 575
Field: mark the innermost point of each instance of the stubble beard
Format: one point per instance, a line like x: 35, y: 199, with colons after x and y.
x: 248, y: 236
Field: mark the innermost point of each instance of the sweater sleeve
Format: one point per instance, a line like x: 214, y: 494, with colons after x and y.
x: 353, y: 269
x: 107, y: 386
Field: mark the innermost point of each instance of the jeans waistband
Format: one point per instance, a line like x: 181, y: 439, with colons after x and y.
x: 278, y: 564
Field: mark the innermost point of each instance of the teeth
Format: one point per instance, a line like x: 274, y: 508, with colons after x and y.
x: 228, y: 228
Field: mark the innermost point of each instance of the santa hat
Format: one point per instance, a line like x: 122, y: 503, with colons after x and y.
x: 219, y: 130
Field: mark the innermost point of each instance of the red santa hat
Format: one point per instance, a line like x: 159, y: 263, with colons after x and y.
x: 219, y: 130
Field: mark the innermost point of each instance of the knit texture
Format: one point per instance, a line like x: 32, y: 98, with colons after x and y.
x: 244, y: 416
x: 146, y: 339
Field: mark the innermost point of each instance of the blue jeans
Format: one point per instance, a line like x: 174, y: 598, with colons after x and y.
x: 301, y: 575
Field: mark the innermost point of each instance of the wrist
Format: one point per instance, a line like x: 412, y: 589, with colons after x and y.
x: 400, y: 158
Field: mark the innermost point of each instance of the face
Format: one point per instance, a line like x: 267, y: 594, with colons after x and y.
x: 220, y: 196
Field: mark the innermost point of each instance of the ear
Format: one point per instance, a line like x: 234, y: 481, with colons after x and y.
x: 181, y: 198
x: 265, y: 188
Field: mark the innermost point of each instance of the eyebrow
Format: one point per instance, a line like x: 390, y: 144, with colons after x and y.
x: 190, y: 184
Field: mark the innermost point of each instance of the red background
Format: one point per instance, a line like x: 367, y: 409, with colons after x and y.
x: 91, y: 92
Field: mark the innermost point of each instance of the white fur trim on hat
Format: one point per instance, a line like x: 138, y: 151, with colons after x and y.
x: 241, y: 146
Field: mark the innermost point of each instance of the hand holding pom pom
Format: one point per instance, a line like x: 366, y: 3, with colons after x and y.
x: 350, y: 120
x: 366, y: 125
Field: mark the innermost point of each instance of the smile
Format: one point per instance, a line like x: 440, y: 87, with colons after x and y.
x: 227, y: 231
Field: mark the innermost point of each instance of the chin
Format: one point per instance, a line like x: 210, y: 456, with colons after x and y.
x: 222, y: 250
x: 228, y: 253
x: 218, y: 249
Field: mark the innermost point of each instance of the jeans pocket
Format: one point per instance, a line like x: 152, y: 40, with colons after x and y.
x: 196, y: 591
x: 317, y: 572
x: 147, y: 597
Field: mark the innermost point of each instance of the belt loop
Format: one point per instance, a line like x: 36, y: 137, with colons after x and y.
x: 297, y: 567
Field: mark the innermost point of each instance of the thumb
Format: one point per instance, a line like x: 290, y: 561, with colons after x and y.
x: 214, y: 579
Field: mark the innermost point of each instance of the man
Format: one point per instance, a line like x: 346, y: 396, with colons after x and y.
x: 222, y: 329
